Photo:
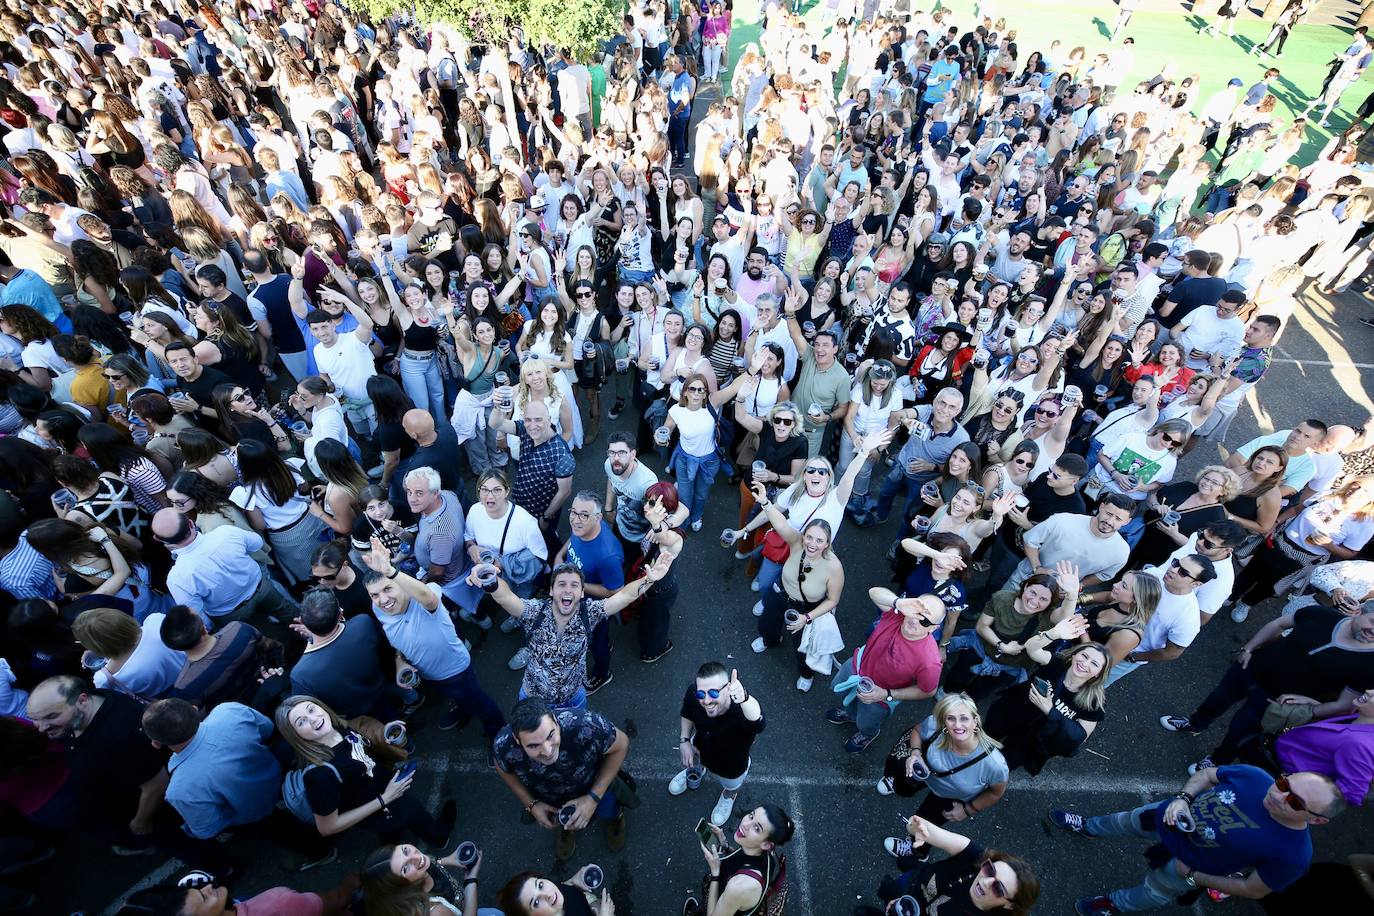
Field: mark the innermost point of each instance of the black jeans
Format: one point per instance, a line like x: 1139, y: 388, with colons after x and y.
x: 1237, y: 685
x: 1255, y: 582
x: 656, y: 616
x: 772, y: 624
x: 280, y: 828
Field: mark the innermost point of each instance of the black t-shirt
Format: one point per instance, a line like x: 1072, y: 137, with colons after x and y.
x: 345, y: 674
x: 391, y: 437
x: 1304, y: 662
x: 202, y: 388
x: 112, y: 758
x: 354, y: 600
x: 348, y: 785
x: 780, y: 455
x: 1193, y: 293
x: 724, y: 741
x: 1044, y: 502
x: 444, y: 455
x: 942, y: 887
x: 1013, y: 715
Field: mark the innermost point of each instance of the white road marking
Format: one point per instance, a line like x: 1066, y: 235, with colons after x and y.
x: 797, y: 851
x: 1324, y: 362
x: 474, y: 762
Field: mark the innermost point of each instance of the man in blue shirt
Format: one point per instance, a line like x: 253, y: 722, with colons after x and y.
x: 223, y: 776
x: 942, y: 76
x: 1228, y: 821
x: 594, y: 549
x: 680, y: 111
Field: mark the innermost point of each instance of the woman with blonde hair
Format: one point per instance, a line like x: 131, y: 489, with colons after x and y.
x: 1056, y: 713
x: 109, y: 141
x: 538, y: 383
x: 953, y: 757
x: 1119, y: 621
x: 348, y: 780
x: 1191, y: 507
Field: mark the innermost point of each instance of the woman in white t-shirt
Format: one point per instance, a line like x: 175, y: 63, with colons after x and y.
x: 872, y: 402
x: 270, y: 496
x: 132, y: 657
x: 39, y: 362
x: 695, y: 460
x: 315, y: 398
x: 496, y: 524
x: 1140, y: 462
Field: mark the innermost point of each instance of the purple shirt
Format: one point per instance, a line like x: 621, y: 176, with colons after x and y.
x: 1333, y: 747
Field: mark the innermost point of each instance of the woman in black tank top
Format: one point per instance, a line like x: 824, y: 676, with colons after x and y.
x: 750, y: 870
x: 1119, y: 623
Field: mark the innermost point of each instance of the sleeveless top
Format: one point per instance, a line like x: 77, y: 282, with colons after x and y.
x: 764, y: 397
x: 763, y: 866
x: 1101, y: 632
x: 421, y: 338
x: 483, y: 372
x: 113, y: 506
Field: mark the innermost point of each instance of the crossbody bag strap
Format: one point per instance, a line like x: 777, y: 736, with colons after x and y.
x: 501, y: 550
x: 944, y: 774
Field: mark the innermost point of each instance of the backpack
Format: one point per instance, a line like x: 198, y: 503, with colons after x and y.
x: 293, y: 792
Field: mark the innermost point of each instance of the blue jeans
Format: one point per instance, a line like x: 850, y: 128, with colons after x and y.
x: 896, y: 480
x: 694, y: 479
x: 467, y: 694
x: 631, y: 277
x: 423, y: 384
x: 578, y: 701
x: 1161, y: 886
x: 868, y: 717
x: 769, y: 572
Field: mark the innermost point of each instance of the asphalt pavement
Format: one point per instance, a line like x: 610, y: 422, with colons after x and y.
x: 836, y: 859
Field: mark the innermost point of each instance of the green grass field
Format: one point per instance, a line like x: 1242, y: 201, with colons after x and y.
x: 1162, y: 39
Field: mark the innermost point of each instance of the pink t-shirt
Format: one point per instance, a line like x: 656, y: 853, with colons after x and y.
x: 281, y: 901
x: 894, y: 662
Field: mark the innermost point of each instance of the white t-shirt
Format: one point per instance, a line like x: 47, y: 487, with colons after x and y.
x: 697, y: 429
x: 1326, y: 468
x: 807, y: 507
x: 1209, y: 334
x: 1132, y: 454
x: 348, y: 364
x: 524, y: 533
x: 1210, y: 595
x: 273, y: 515
x: 872, y: 417
x: 1176, y: 619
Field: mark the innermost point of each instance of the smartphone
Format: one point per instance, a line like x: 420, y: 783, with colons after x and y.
x: 705, y: 833
x: 1042, y: 686
x: 407, y: 769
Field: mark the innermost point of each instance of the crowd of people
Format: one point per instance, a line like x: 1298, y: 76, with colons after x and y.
x: 334, y: 350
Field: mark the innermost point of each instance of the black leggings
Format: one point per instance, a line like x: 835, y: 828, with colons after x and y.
x: 1255, y: 582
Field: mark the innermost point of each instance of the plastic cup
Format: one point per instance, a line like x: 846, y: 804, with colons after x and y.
x: 931, y: 489
x: 851, y: 360
x: 759, y: 467
x: 409, y: 677
x: 502, y: 378
x: 920, y: 770
x: 792, y: 617
x: 139, y: 434
x: 466, y: 854
x: 622, y: 365
x: 662, y: 435
x: 1171, y: 518
x: 654, y: 363
x: 486, y: 555
x: 1101, y: 392
x: 487, y: 576
x: 1132, y: 481
x: 566, y: 814
x: 980, y: 358
x: 906, y: 905
x: 727, y: 538
x: 92, y: 662
x: 64, y: 499
x: 809, y: 328
x: 917, y: 429
x: 740, y: 363
x: 593, y: 877
x: 921, y: 524
x: 1073, y: 394
x: 980, y: 270
x: 503, y: 345
x: 1020, y: 501
x: 865, y: 684
x: 814, y: 411
x: 395, y: 734
x: 588, y: 349
x: 695, y: 775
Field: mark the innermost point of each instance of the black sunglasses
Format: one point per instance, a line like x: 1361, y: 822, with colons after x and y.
x: 824, y: 472
x: 783, y: 421
x: 989, y: 870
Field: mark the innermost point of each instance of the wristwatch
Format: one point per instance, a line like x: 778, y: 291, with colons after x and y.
x: 1189, y: 879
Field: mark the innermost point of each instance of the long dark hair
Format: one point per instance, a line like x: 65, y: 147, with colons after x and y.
x: 209, y: 496
x: 261, y: 466
x: 110, y: 449
x: 388, y: 398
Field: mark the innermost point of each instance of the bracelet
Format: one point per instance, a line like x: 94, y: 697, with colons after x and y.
x: 529, y: 809
x: 394, y: 573
x: 596, y: 798
x: 1186, y: 796
x: 969, y: 810
x: 468, y: 882
x: 684, y: 741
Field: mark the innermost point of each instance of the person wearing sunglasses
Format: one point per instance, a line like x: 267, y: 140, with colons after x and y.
x: 696, y: 459
x: 782, y: 447
x: 1178, y: 616
x: 972, y: 879
x: 720, y: 721
x: 1197, y: 503
x: 1139, y: 463
x: 1233, y: 829
x: 901, y: 660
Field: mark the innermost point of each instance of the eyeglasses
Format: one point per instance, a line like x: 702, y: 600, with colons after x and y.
x: 240, y: 396
x: 181, y: 503
x: 696, y: 389
x: 989, y: 870
x: 784, y: 421
x: 578, y: 513
x: 523, y: 235
x: 1006, y: 408
x: 1046, y: 413
x: 714, y: 693
x: 491, y: 491
x: 1291, y: 798
x: 824, y: 472
x: 113, y: 376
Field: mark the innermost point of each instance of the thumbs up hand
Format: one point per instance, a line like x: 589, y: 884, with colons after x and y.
x: 737, y: 692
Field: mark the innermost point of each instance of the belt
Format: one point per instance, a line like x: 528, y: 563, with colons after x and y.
x: 418, y: 354
x: 289, y: 526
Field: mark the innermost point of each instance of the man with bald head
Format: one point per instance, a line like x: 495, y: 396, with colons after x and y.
x: 1328, y: 460
x: 118, y: 777
x: 543, y: 478
x: 436, y: 447
x: 213, y: 573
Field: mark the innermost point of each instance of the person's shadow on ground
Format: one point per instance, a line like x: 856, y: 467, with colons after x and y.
x: 1103, y: 29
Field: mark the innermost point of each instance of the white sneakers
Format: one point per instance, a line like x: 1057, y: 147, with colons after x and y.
x: 804, y: 684
x: 509, y: 625
x: 519, y: 660
x: 721, y: 812
x: 678, y: 784
x: 757, y: 645
x: 885, y: 785
x: 1240, y: 612
x: 758, y: 609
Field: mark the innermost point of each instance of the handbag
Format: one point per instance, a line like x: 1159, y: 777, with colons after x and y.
x: 1280, y: 717
x: 775, y: 547
x: 903, y: 749
x: 625, y: 789
x: 521, y: 567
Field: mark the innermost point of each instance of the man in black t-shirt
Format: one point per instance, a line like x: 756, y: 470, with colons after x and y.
x: 342, y: 664
x: 119, y: 777
x: 1052, y: 492
x: 1327, y: 660
x: 720, y: 721
x: 195, y: 385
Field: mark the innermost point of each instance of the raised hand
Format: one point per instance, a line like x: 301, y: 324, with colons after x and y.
x: 378, y: 558
x: 736, y: 690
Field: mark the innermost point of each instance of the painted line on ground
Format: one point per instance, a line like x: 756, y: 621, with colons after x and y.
x: 797, y: 850
x: 1322, y: 362
x: 472, y: 762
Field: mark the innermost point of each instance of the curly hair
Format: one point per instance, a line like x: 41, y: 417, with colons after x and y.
x: 27, y: 323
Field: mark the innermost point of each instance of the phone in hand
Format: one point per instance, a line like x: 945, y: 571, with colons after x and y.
x: 706, y: 834
x: 1042, y: 686
x: 407, y: 770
